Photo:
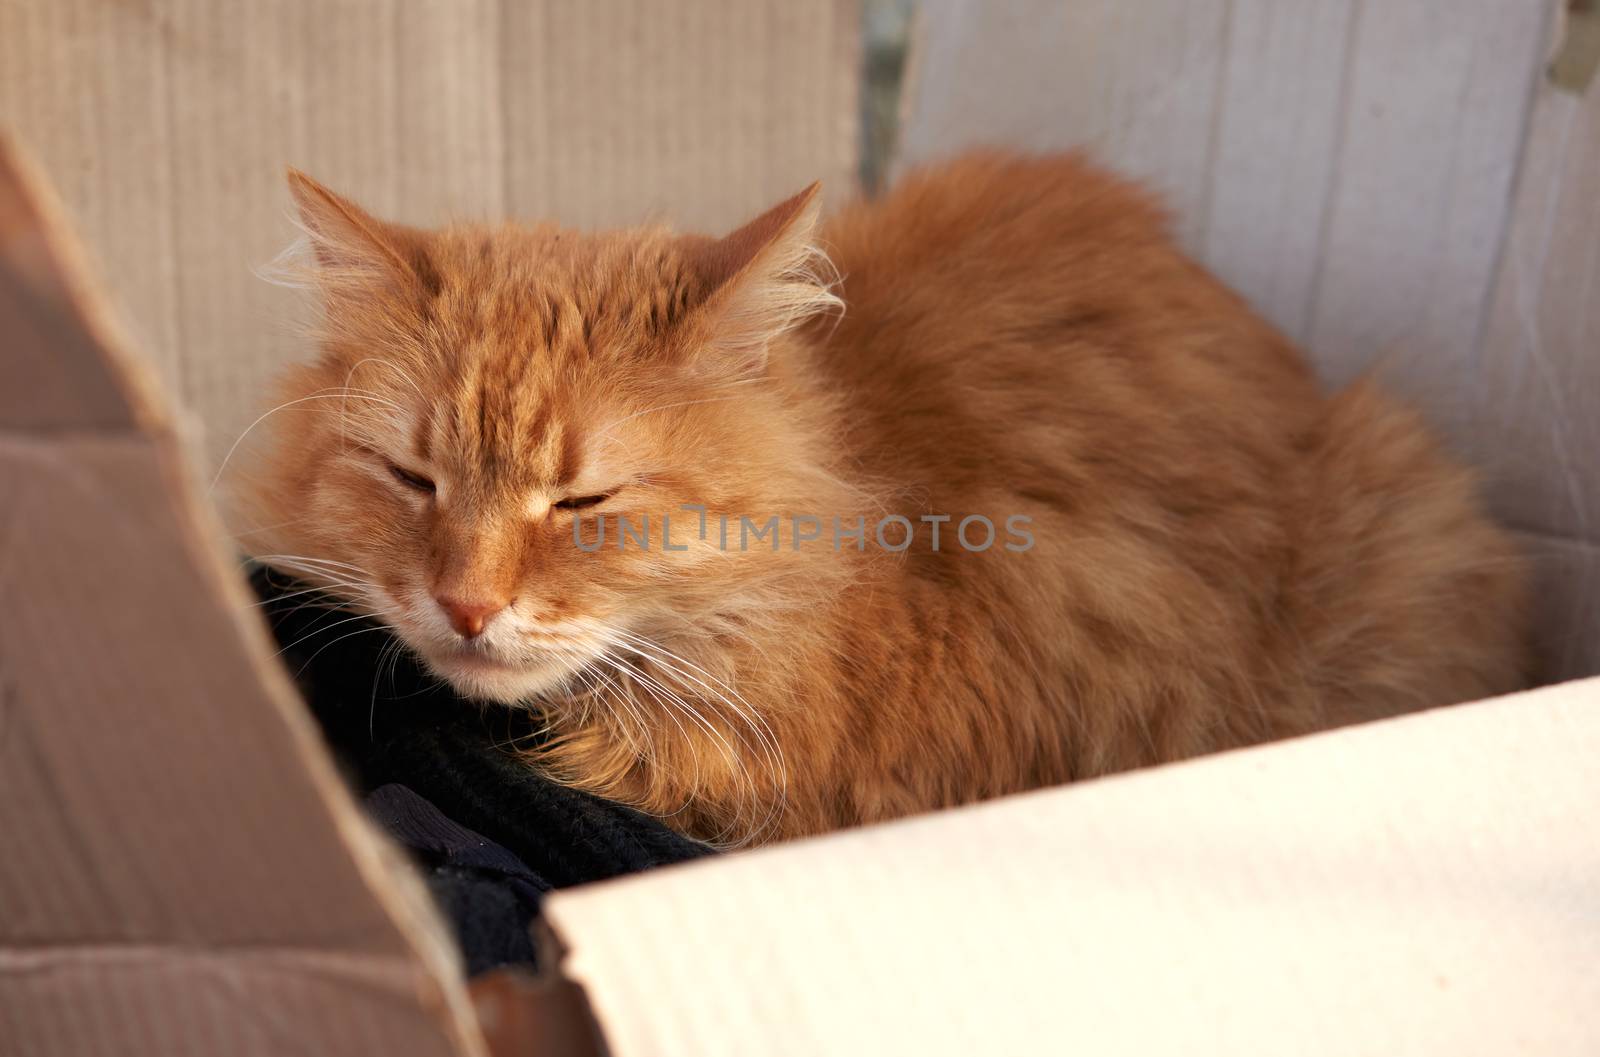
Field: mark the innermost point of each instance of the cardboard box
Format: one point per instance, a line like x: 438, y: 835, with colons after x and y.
x: 184, y: 874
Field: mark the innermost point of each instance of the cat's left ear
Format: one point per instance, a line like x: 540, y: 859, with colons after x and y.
x: 353, y: 247
x: 766, y: 278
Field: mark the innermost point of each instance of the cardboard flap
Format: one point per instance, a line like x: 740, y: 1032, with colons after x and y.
x: 182, y: 871
x: 1424, y: 885
x: 56, y: 378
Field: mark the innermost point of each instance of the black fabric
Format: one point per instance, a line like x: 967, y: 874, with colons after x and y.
x: 439, y: 774
x: 487, y: 893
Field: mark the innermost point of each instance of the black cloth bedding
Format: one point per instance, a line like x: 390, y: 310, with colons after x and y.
x: 437, y: 772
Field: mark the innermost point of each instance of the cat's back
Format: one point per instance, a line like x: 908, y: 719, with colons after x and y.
x: 1223, y: 553
x: 989, y: 217
x: 1005, y: 309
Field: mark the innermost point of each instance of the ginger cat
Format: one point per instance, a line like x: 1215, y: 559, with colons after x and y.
x: 680, y: 494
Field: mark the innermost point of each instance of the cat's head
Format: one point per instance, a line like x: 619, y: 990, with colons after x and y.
x: 479, y: 389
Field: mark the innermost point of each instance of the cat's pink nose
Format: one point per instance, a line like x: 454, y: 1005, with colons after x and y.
x: 470, y: 616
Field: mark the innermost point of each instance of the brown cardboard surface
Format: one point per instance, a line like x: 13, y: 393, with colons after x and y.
x: 1419, y: 886
x: 166, y: 126
x: 1392, y: 184
x: 42, y: 388
x: 534, y: 1016
x: 183, y: 872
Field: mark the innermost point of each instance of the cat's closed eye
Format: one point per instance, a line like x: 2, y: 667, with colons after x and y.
x: 579, y: 502
x: 414, y: 481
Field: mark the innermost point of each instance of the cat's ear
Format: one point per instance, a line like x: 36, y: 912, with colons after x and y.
x: 764, y: 279
x: 351, y: 245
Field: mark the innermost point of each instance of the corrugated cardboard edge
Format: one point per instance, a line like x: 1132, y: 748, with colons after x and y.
x: 388, y: 878
x: 1417, y: 885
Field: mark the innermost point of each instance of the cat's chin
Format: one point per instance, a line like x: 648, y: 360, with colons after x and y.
x: 485, y: 679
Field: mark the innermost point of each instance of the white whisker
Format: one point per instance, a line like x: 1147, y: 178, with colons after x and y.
x: 320, y: 395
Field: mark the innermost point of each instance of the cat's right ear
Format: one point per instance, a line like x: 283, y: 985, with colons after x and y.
x: 351, y: 245
x: 766, y: 278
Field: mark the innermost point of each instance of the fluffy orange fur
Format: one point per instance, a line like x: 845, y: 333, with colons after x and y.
x: 1221, y: 554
